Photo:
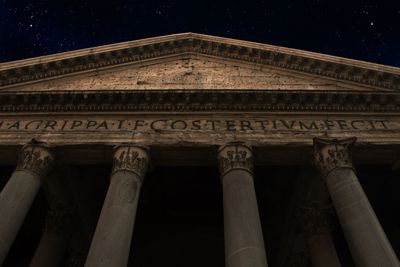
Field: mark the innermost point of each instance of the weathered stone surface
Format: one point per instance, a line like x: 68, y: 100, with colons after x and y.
x: 350, y: 72
x: 17, y: 196
x: 189, y: 72
x: 244, y: 243
x: 111, y: 242
x: 185, y: 95
x: 173, y: 129
x: 365, y: 237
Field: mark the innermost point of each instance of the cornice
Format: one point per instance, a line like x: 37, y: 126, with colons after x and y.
x: 200, y: 101
x: 367, y: 74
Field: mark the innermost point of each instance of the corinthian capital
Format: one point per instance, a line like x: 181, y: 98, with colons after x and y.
x: 330, y: 154
x: 235, y: 155
x: 35, y: 158
x: 131, y: 158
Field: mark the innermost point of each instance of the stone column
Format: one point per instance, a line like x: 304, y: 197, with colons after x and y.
x: 17, y: 196
x: 244, y: 244
x: 367, y: 241
x: 111, y: 242
x: 316, y: 222
x: 59, y: 224
x: 53, y: 243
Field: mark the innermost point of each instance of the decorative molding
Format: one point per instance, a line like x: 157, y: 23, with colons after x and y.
x: 131, y: 158
x: 331, y: 154
x: 235, y: 156
x: 200, y: 101
x: 194, y: 43
x: 35, y: 158
x: 316, y: 219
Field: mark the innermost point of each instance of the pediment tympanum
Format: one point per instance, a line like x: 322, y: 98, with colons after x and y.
x: 188, y: 72
x: 195, y: 61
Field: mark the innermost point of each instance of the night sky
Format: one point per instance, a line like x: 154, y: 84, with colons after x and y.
x: 366, y: 30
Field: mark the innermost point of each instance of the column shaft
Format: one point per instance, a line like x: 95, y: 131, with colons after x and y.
x: 111, y: 242
x: 53, y: 243
x: 316, y: 219
x: 15, y: 202
x: 244, y: 243
x: 367, y: 241
x: 17, y: 196
x: 322, y: 251
x: 50, y: 252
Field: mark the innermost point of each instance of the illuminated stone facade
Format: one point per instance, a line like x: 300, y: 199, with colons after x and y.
x: 185, y: 105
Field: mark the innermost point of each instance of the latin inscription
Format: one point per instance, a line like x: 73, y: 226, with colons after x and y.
x: 160, y: 125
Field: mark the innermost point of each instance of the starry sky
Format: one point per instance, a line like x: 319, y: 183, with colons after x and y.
x: 365, y: 30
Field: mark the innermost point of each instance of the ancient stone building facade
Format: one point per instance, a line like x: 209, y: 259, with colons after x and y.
x: 195, y: 150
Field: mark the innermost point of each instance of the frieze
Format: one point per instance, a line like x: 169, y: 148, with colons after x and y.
x: 194, y: 43
x: 201, y: 101
x: 212, y: 124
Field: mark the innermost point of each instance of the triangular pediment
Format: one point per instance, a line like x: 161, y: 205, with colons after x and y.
x: 193, y: 61
x: 188, y: 72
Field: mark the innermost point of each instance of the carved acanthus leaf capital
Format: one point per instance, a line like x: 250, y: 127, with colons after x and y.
x: 330, y: 154
x: 235, y: 155
x: 131, y: 158
x: 35, y: 158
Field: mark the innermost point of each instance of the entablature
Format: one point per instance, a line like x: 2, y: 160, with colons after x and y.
x: 201, y: 101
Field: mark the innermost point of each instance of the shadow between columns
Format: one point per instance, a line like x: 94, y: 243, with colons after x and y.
x: 179, y: 221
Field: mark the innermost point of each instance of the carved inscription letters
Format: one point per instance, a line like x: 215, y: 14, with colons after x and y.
x: 178, y: 125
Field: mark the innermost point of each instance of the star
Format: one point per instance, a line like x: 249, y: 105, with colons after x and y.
x: 266, y: 22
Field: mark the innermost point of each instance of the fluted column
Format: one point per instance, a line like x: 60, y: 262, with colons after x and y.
x: 244, y: 244
x: 17, y: 196
x: 111, y: 242
x: 367, y: 241
x: 316, y: 222
x: 53, y: 243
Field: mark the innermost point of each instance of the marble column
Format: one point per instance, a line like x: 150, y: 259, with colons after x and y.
x: 53, y: 243
x: 60, y: 221
x: 316, y: 223
x: 244, y: 244
x: 17, y: 196
x: 111, y: 242
x: 365, y: 237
